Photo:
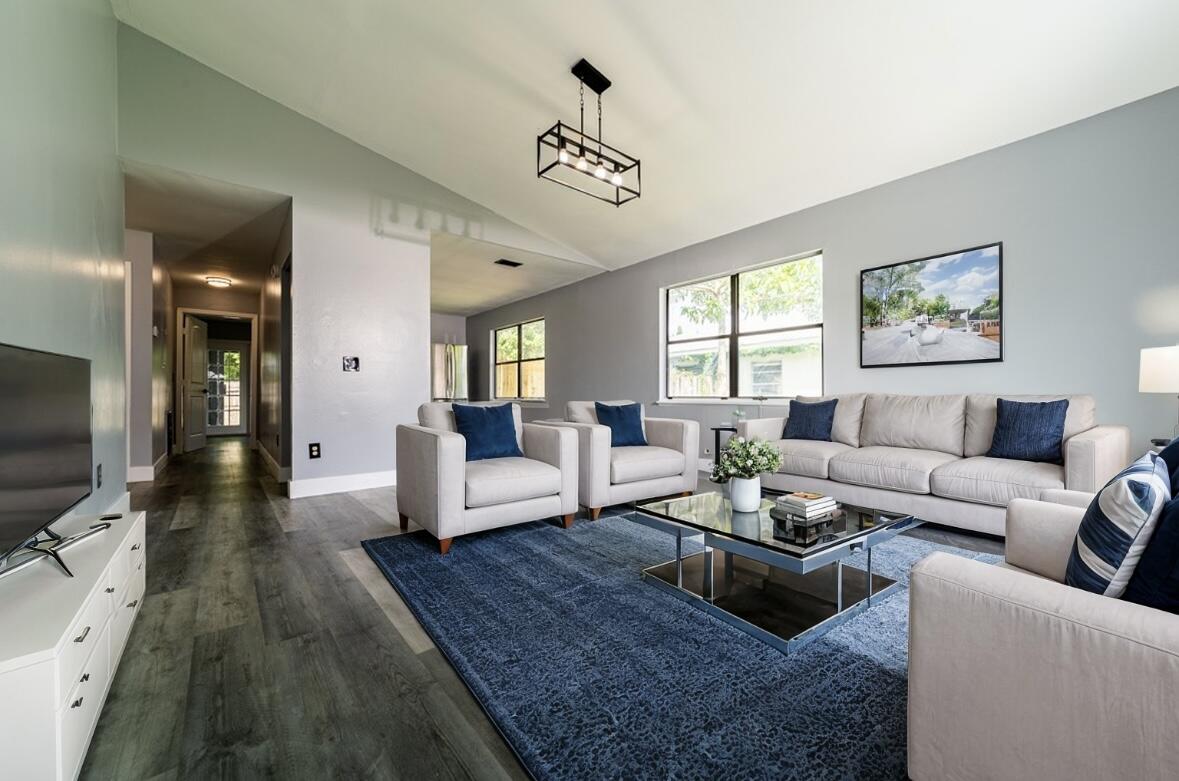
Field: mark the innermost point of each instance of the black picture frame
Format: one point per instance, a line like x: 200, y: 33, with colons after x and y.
x: 865, y: 330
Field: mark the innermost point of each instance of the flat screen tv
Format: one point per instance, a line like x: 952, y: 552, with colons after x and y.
x: 45, y: 441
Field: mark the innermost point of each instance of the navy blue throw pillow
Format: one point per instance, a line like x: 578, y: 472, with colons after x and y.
x: 1170, y: 454
x: 1030, y: 431
x: 490, y: 431
x: 625, y: 422
x: 810, y: 420
x: 1155, y: 582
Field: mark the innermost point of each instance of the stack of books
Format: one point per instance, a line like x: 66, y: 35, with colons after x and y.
x: 804, y: 517
x: 805, y: 507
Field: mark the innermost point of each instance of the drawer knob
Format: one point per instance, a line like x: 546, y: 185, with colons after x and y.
x: 110, y: 589
x: 77, y: 703
x: 85, y: 678
x: 82, y: 637
x: 133, y: 604
x: 135, y: 546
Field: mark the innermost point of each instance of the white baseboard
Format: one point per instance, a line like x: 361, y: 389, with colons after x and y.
x: 141, y: 474
x: 318, y: 486
x: 281, y: 474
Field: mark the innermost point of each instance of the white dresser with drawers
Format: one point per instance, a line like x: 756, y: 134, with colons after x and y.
x: 61, y: 639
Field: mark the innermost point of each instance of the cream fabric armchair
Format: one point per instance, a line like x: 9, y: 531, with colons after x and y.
x: 613, y: 475
x: 449, y: 496
x: 1013, y: 674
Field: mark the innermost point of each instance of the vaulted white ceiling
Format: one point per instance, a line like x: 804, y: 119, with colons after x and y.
x: 740, y: 111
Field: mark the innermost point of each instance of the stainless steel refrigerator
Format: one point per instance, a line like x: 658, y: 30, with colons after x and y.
x: 449, y: 373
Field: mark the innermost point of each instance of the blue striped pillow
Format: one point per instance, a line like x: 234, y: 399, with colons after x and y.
x: 1117, y: 526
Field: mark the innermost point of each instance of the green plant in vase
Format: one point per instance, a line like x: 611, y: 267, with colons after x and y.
x: 741, y: 463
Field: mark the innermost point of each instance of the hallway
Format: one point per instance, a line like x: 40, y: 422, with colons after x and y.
x: 269, y: 645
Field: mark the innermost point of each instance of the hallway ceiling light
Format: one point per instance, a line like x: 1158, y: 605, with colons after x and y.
x: 218, y: 281
x: 581, y: 162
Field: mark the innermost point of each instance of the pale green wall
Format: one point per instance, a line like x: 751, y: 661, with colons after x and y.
x: 61, y: 203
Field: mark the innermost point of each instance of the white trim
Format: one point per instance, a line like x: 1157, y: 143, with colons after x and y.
x: 318, y: 486
x: 140, y: 474
x: 734, y: 402
x: 281, y: 474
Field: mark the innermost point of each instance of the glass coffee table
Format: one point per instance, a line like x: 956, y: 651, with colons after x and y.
x: 784, y: 585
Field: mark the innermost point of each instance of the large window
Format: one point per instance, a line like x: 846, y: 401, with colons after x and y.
x: 519, y: 361
x: 753, y: 334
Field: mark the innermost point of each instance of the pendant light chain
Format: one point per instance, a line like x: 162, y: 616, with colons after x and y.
x: 599, y: 128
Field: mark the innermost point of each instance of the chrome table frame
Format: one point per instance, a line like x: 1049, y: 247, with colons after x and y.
x: 799, y: 565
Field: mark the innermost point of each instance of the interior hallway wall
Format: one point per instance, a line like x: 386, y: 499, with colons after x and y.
x: 61, y: 206
x: 271, y: 411
x: 138, y: 251
x: 360, y: 237
x: 448, y: 329
x: 163, y: 348
x: 1086, y: 213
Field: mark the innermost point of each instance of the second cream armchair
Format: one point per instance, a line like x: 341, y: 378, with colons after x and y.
x: 607, y: 475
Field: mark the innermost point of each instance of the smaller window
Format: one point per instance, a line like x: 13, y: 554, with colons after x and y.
x: 519, y: 362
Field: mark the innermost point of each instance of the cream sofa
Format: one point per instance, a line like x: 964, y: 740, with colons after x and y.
x: 608, y: 475
x: 926, y: 456
x: 1013, y: 674
x: 449, y: 496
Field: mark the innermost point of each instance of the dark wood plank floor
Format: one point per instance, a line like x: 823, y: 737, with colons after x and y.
x: 270, y: 646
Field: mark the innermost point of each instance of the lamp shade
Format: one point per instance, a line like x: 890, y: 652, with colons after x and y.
x: 1158, y: 370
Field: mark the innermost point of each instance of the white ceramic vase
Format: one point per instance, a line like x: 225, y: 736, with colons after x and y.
x: 745, y: 494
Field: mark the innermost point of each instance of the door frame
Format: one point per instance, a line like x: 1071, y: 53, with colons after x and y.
x: 179, y: 366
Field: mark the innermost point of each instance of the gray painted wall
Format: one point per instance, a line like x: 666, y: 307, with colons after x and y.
x: 163, y: 347
x: 361, y: 229
x: 61, y: 205
x: 448, y: 329
x: 139, y: 254
x: 270, y: 389
x: 1091, y: 275
x: 218, y: 299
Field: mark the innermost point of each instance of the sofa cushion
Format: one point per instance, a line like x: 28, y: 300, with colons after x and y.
x: 995, y: 480
x: 1118, y: 526
x: 489, y: 431
x: 440, y: 415
x: 892, y: 468
x: 625, y: 422
x: 501, y: 480
x: 921, y: 422
x: 1170, y: 454
x: 630, y: 464
x: 808, y: 457
x: 849, y: 416
x: 810, y: 420
x: 982, y: 411
x: 1030, y: 431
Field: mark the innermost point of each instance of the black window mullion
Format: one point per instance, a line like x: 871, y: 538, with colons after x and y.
x: 519, y: 362
x: 734, y: 320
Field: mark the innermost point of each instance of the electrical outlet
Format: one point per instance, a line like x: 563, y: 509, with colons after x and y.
x: 708, y: 451
x: 313, y: 450
x: 98, y: 476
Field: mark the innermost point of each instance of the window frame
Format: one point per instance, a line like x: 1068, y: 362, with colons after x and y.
x: 735, y: 333
x: 520, y: 360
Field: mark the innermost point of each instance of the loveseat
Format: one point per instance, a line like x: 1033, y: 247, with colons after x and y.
x: 926, y: 456
x: 1014, y: 674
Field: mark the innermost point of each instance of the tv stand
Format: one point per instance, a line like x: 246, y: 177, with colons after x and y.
x: 51, y: 548
x: 68, y: 634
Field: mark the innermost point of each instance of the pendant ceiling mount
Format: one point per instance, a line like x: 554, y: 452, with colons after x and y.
x: 571, y: 157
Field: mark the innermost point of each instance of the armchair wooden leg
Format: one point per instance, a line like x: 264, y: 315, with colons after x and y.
x: 686, y: 493
x: 594, y: 512
x: 404, y: 520
x: 444, y: 545
x: 567, y: 520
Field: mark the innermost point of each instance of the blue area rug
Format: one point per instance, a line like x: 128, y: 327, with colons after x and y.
x: 590, y: 673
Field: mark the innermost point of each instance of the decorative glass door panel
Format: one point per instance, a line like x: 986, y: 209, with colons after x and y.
x: 225, y: 389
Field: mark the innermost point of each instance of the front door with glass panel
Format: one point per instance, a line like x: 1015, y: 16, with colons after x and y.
x: 228, y: 392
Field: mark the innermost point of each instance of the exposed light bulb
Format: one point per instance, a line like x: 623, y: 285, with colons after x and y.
x: 563, y: 156
x: 616, y: 179
x: 600, y: 171
x: 582, y: 164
